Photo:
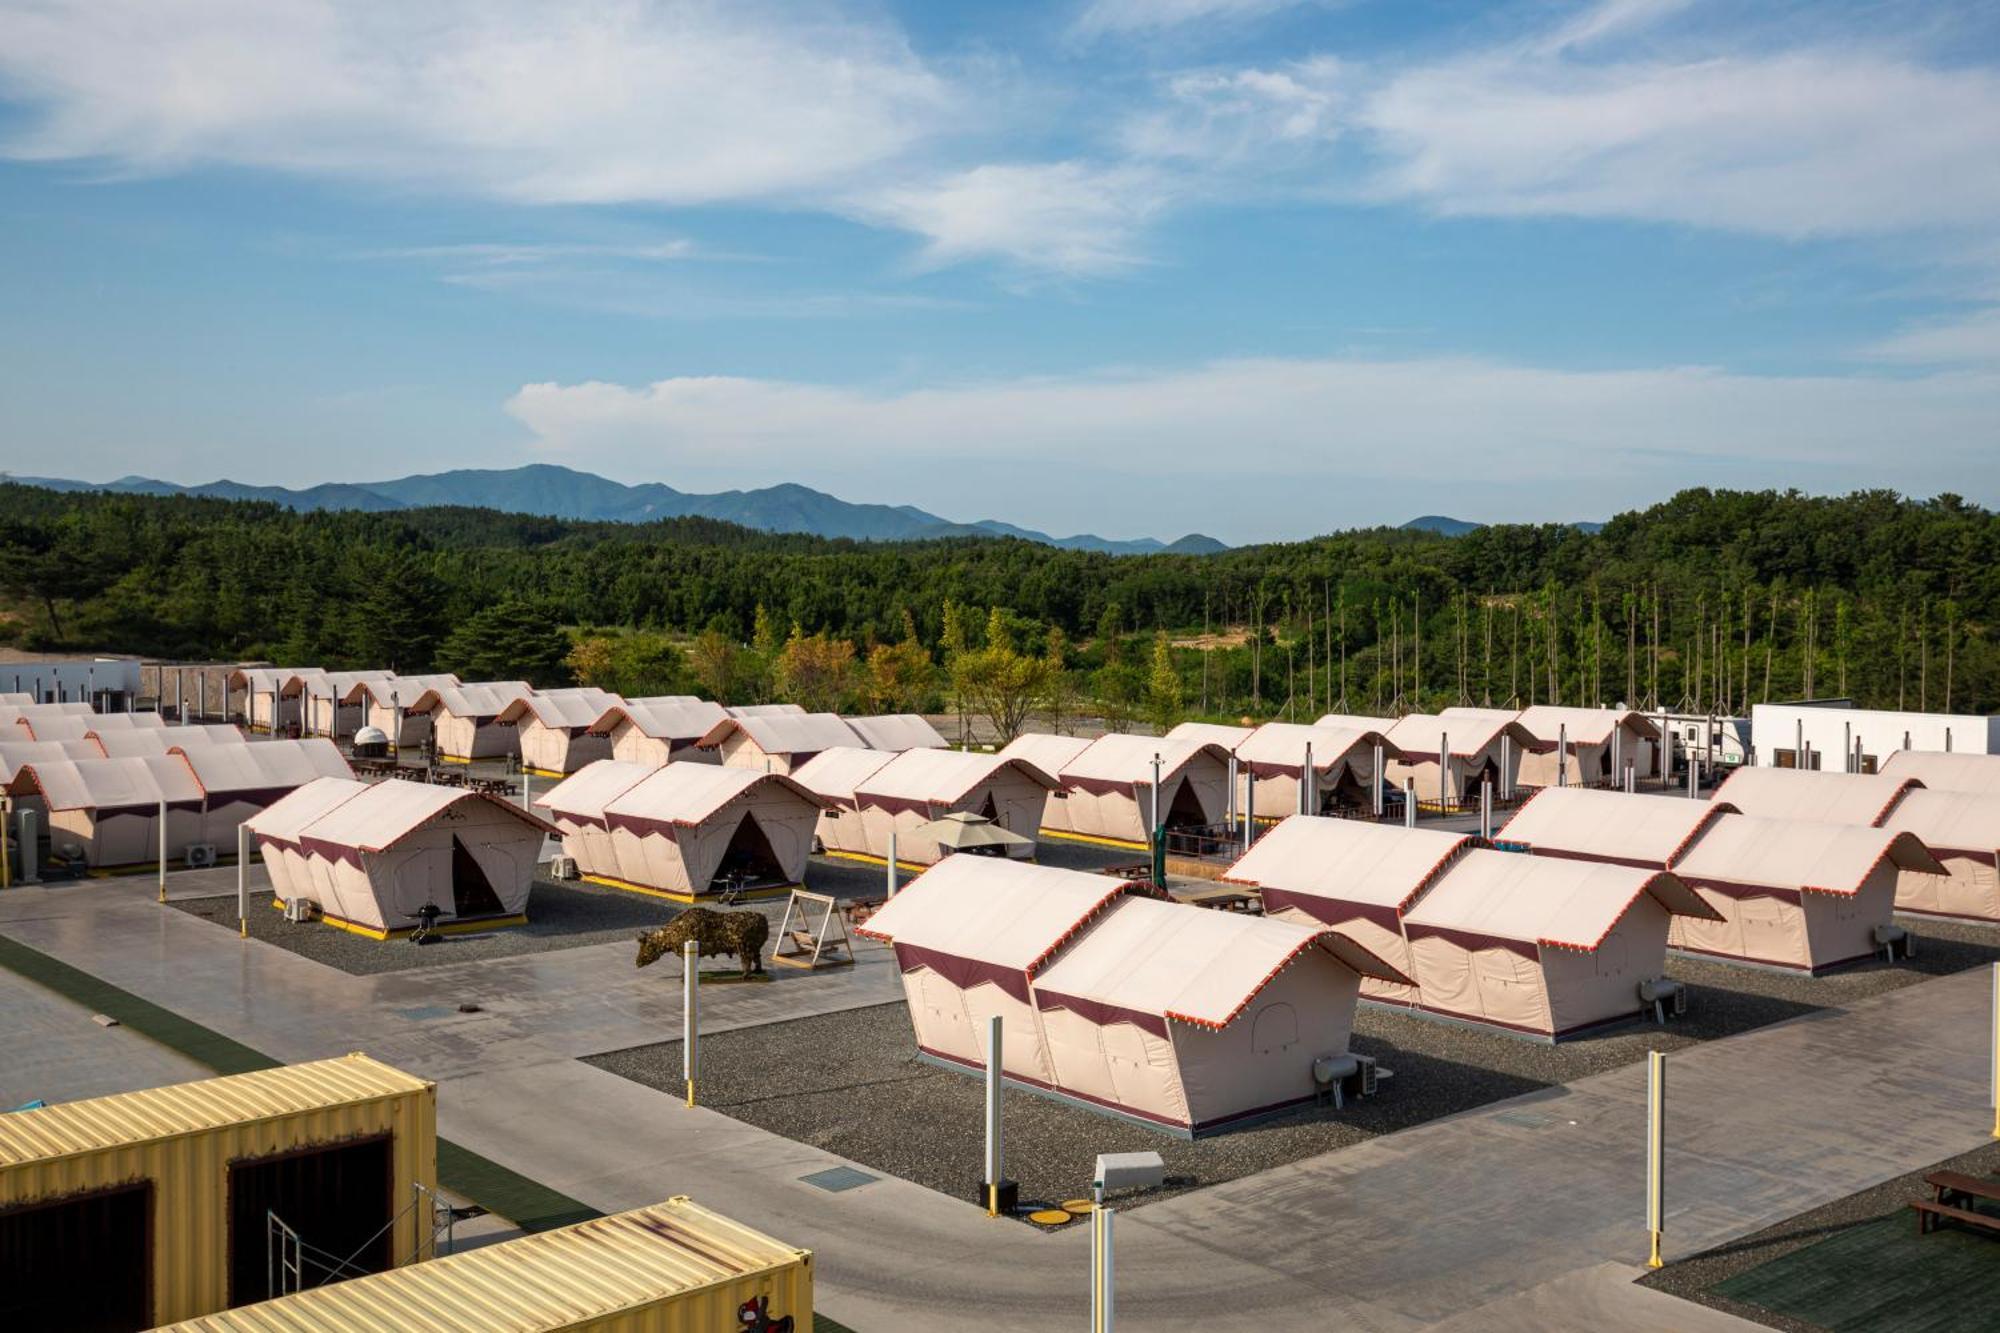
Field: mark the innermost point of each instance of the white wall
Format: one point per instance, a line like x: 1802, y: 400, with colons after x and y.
x: 1827, y: 729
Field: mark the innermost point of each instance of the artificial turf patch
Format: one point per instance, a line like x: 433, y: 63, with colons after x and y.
x: 1880, y: 1275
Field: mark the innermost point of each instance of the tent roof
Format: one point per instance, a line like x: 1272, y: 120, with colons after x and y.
x: 484, y: 698
x: 1348, y: 860
x: 689, y: 794
x: 943, y: 776
x: 1044, y: 750
x: 766, y: 710
x: 896, y: 731
x: 578, y: 707
x: 1187, y: 963
x: 100, y: 784
x: 305, y: 680
x: 1546, y: 900
x: 1610, y: 825
x: 1799, y: 854
x: 1418, y: 734
x: 392, y: 690
x: 340, y: 684
x: 1957, y: 771
x: 10, y: 713
x: 1358, y: 721
x: 1959, y: 821
x: 1586, y: 726
x: 1211, y: 733
x: 677, y: 717
x: 1796, y: 793
x: 287, y: 817
x: 259, y: 768
x: 786, y: 733
x: 1284, y: 743
x: 14, y: 754
x: 118, y: 744
x: 1011, y: 914
x: 261, y: 680
x: 835, y: 773
x: 377, y: 817
x: 1129, y: 759
x: 57, y: 726
x: 127, y: 722
x: 585, y: 793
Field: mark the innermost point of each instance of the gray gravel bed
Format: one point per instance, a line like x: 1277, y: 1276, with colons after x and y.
x: 1692, y: 1278
x: 851, y: 1083
x: 560, y: 916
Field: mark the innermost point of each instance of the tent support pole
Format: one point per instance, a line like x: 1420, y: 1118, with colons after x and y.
x: 690, y: 1013
x: 163, y: 851
x: 243, y: 881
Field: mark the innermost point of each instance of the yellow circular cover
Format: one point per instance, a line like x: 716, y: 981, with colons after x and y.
x: 1049, y: 1217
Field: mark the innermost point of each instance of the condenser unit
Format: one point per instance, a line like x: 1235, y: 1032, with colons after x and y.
x: 200, y: 855
x: 1666, y: 996
x: 301, y: 910
x: 562, y: 867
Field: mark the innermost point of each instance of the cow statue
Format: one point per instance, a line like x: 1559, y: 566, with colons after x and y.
x: 739, y: 934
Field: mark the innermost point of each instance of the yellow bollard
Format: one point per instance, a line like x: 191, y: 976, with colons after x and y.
x: 1656, y: 1152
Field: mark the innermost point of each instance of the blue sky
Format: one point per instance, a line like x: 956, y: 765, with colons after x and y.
x: 1249, y: 267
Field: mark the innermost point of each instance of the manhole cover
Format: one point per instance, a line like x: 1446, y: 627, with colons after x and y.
x: 1080, y: 1207
x: 1049, y: 1217
x: 837, y: 1178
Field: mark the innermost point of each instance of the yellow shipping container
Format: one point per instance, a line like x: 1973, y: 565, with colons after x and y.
x: 149, y: 1207
x: 673, y: 1268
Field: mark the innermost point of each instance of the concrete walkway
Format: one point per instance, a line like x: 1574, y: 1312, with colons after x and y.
x: 1501, y: 1218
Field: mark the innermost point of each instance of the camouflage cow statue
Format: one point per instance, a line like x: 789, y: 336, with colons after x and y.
x: 740, y: 934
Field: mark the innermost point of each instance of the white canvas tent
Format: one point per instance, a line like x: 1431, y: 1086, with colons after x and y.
x: 658, y: 730
x: 385, y: 706
x: 1483, y: 746
x: 14, y: 754
x: 1049, y: 753
x: 1109, y: 796
x: 917, y: 787
x: 1211, y: 733
x: 267, y: 704
x: 1355, y: 722
x: 237, y: 781
x: 896, y: 732
x: 57, y: 727
x: 553, y: 729
x: 832, y: 775
x: 375, y: 857
x: 1354, y: 877
x: 684, y: 831
x: 1797, y: 793
x: 121, y: 744
x: 1343, y: 761
x: 1193, y: 1019
x: 1962, y: 830
x: 765, y: 710
x: 1602, y: 743
x: 1958, y: 771
x: 333, y: 704
x: 105, y: 812
x: 465, y: 719
x: 778, y: 743
x: 1647, y: 831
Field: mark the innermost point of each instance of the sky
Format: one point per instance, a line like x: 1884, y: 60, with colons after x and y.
x: 1255, y: 268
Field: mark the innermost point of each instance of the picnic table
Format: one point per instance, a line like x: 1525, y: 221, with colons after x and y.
x: 1954, y: 1198
x: 1223, y: 898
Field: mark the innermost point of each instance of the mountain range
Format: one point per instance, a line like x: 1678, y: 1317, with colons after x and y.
x: 560, y: 492
x: 1446, y: 526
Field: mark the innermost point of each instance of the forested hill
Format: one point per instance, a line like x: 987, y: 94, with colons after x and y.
x: 1713, y: 598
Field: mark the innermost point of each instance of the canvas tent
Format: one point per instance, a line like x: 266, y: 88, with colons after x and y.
x: 1108, y: 794
x: 14, y: 754
x: 686, y: 830
x: 765, y: 710
x: 1797, y: 793
x: 59, y: 727
x: 237, y: 781
x: 913, y: 788
x: 1603, y: 742
x: 119, y: 744
x: 385, y: 706
x: 896, y: 732
x: 105, y: 812
x: 553, y: 729
x: 1486, y: 747
x: 659, y: 730
x: 1978, y: 773
x: 1962, y: 830
x: 465, y: 719
x: 1343, y: 761
x: 832, y: 775
x: 268, y: 705
x: 1355, y: 722
x: 1351, y: 876
x: 1787, y: 893
x: 376, y: 857
x: 1211, y: 733
x: 333, y: 704
x: 777, y: 743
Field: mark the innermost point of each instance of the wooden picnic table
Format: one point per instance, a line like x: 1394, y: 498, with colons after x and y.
x: 1953, y: 1198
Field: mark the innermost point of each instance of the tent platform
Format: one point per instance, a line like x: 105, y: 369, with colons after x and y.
x: 755, y: 895
x: 1091, y: 839
x: 472, y: 926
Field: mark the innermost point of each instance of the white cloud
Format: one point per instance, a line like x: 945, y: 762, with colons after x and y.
x: 511, y: 254
x: 1133, y: 16
x: 1290, y: 446
x: 1218, y: 116
x: 1065, y: 217
x: 1973, y: 340
x: 657, y: 101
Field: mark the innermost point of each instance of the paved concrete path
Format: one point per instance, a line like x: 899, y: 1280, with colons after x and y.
x: 1503, y: 1217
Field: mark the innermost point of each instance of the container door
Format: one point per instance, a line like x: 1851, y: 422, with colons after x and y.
x: 82, y: 1264
x: 337, y: 1199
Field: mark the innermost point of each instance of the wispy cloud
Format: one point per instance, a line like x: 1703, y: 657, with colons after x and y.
x: 507, y: 254
x: 1100, y: 17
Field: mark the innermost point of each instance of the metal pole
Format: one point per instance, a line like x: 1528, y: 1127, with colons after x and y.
x: 1506, y: 767
x: 1159, y: 838
x: 1444, y: 771
x: 243, y: 881
x: 1486, y: 809
x: 1656, y: 1152
x: 995, y: 1149
x: 1410, y: 803
x: 180, y: 695
x: 1846, y: 747
x: 1947, y: 740
x: 1101, y: 1269
x: 690, y: 1013
x: 893, y: 886
x: 527, y: 790
x: 1307, y: 795
x: 1994, y: 1077
x: 1376, y: 785
x: 1229, y: 820
x: 1562, y: 755
x: 6, y: 857
x: 1618, y: 748
x: 1694, y: 775
x: 1631, y: 779
x: 163, y: 851
x: 1249, y: 807
x: 1799, y: 745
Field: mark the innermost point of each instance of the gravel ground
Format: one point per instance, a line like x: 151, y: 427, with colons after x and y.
x: 1692, y: 1279
x: 560, y: 916
x: 851, y: 1083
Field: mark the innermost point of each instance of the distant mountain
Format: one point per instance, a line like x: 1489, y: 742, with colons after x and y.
x: 560, y: 492
x: 1458, y: 527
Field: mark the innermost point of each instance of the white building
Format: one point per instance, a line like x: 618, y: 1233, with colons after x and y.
x: 1827, y: 735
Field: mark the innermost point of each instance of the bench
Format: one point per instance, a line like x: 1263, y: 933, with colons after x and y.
x: 1948, y: 1189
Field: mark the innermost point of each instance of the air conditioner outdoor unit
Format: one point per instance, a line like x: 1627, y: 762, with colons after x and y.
x: 200, y: 855
x: 1666, y: 996
x: 562, y: 867
x: 301, y: 910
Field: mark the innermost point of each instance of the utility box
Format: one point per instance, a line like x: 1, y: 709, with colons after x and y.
x: 144, y: 1208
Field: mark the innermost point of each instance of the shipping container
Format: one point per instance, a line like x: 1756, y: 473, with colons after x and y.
x: 143, y: 1208
x: 673, y: 1268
